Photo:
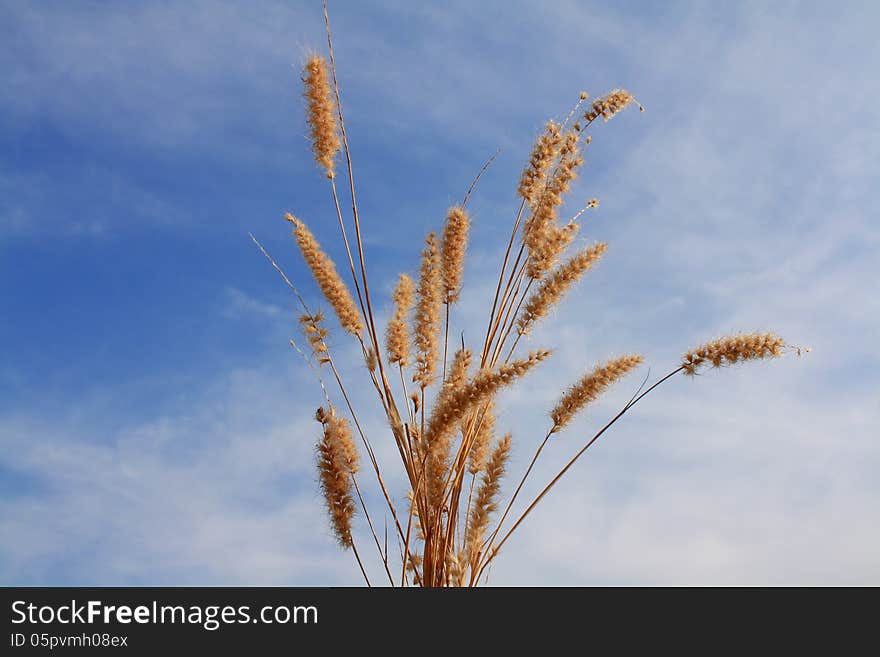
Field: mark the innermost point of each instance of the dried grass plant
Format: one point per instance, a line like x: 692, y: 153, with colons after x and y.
x: 440, y: 410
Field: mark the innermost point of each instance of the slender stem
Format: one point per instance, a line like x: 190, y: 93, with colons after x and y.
x: 515, y: 274
x: 516, y: 302
x: 467, y: 509
x: 513, y: 347
x: 412, y: 419
x: 445, y: 340
x: 413, y: 503
x: 354, y: 276
x: 501, y: 280
x: 574, y: 459
x: 382, y: 554
x: 406, y: 542
x: 477, y: 179
x: 422, y: 414
x: 360, y: 563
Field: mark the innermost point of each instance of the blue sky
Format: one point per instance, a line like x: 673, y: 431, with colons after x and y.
x: 156, y: 425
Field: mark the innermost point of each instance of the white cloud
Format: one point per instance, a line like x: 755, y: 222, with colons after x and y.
x: 241, y: 304
x: 222, y: 494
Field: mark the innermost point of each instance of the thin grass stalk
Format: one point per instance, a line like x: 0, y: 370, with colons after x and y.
x: 383, y: 554
x: 510, y: 317
x: 360, y: 564
x: 507, y: 251
x: 394, y: 416
x: 473, y: 186
x: 354, y: 275
x: 573, y: 460
x: 515, y: 273
x: 412, y: 505
x: 445, y: 339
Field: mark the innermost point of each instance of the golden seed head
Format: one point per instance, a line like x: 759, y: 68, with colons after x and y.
x: 486, y: 500
x: 321, y: 113
x: 733, y: 349
x: 538, y: 227
x: 337, y: 461
x: 370, y: 359
x: 483, y: 422
x: 454, y: 245
x: 458, y: 371
x: 397, y: 335
x: 327, y: 278
x: 556, y: 284
x: 546, y: 251
x: 589, y: 387
x: 544, y: 153
x: 427, y: 320
x: 610, y: 104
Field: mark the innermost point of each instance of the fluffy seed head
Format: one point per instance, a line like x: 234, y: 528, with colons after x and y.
x: 321, y: 113
x: 556, y: 284
x: 610, y: 104
x: 454, y: 245
x: 328, y: 279
x: 483, y: 422
x: 544, y: 153
x: 397, y: 335
x: 589, y: 387
x: 733, y: 349
x: 370, y: 359
x: 427, y: 320
x: 546, y: 251
x: 337, y: 462
x: 486, y: 500
x: 458, y: 371
x: 539, y: 227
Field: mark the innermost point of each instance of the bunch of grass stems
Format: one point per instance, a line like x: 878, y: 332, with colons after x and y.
x: 440, y: 406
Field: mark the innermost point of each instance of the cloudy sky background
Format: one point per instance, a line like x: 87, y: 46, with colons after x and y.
x: 155, y: 425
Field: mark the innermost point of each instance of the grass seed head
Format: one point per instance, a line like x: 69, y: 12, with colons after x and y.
x: 397, y: 335
x: 452, y: 251
x: 327, y: 278
x: 427, y: 320
x: 733, y: 349
x: 321, y: 113
x: 337, y: 462
x: 590, y: 387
